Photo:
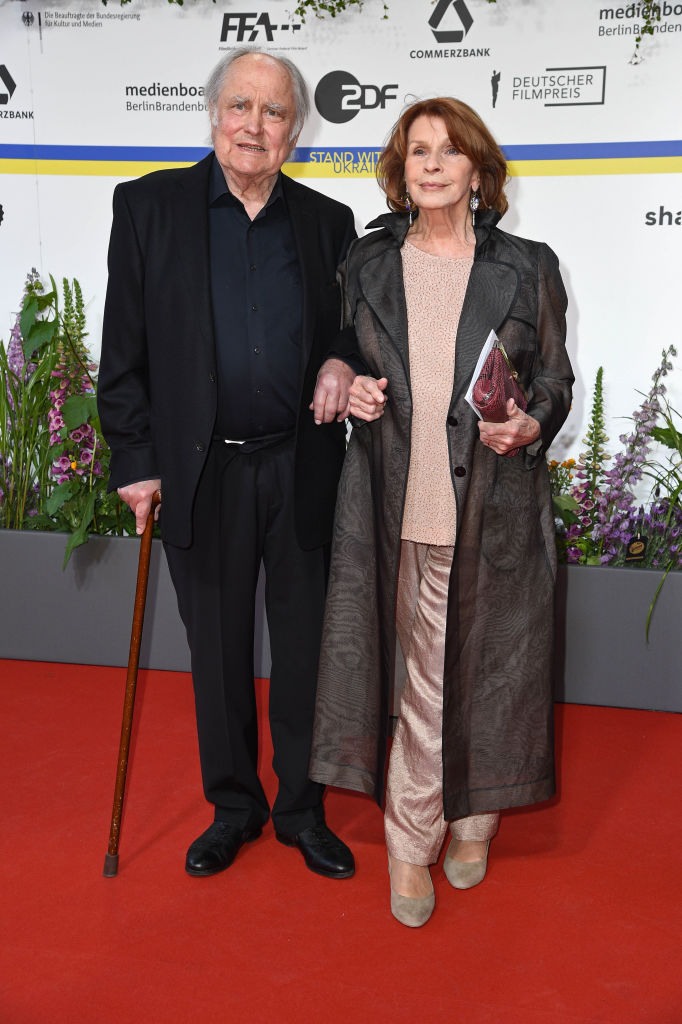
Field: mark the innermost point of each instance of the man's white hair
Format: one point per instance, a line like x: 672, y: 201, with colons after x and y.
x: 216, y: 81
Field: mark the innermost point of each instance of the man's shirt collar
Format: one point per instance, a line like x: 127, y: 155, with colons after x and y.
x: 218, y: 189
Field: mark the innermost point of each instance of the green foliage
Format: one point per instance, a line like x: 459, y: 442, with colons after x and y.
x: 316, y: 7
x: 576, y: 488
x: 565, y: 507
x: 53, y: 458
x: 651, y: 12
x: 591, y: 462
x: 24, y: 399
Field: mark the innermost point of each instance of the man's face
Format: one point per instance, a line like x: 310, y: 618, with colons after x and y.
x: 253, y: 119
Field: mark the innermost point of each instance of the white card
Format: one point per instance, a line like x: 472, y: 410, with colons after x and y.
x: 485, y: 352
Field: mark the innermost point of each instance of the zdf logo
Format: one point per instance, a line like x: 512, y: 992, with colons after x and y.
x: 339, y: 96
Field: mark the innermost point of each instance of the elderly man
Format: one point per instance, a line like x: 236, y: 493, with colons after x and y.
x: 220, y: 312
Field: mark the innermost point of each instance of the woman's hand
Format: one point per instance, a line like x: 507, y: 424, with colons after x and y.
x: 367, y: 398
x: 520, y: 429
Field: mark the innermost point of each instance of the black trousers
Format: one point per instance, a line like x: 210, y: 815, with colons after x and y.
x: 244, y: 513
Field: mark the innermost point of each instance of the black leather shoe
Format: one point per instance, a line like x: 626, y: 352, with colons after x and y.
x: 216, y: 848
x: 323, y: 852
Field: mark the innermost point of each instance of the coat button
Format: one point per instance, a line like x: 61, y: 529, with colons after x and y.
x: 452, y: 421
x: 202, y: 447
x: 460, y: 471
x: 211, y: 377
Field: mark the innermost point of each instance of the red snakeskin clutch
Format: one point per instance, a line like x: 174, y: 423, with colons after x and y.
x: 497, y: 382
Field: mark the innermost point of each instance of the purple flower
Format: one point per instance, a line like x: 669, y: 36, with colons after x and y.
x: 615, y: 506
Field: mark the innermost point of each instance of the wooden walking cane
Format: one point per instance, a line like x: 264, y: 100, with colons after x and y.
x: 111, y: 858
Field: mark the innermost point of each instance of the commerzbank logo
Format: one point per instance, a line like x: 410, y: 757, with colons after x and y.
x: 7, y: 89
x: 450, y: 21
x: 7, y: 86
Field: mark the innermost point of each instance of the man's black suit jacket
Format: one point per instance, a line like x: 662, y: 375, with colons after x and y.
x: 157, y: 391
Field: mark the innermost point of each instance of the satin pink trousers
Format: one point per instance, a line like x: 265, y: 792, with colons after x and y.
x: 414, y: 822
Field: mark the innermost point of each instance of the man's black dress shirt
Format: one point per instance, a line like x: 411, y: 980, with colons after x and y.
x: 257, y: 301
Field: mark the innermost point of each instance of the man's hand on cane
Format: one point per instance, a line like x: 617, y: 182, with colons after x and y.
x: 138, y: 497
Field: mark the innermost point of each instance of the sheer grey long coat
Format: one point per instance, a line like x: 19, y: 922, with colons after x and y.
x: 497, y: 696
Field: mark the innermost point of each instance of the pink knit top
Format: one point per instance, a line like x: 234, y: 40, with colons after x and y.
x: 434, y: 293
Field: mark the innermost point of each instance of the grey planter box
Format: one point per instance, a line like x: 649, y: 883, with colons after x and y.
x: 601, y: 655
x: 84, y: 614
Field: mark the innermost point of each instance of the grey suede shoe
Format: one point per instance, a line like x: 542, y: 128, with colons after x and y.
x: 465, y: 874
x: 412, y: 911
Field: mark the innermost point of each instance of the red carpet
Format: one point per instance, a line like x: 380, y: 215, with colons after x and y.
x: 578, y: 921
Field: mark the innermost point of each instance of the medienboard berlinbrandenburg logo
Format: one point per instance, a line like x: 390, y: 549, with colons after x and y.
x: 8, y: 83
x: 450, y: 35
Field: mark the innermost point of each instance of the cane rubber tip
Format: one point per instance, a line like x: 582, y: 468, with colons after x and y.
x: 110, y: 865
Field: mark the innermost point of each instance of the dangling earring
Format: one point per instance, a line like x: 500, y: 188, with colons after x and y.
x: 474, y: 204
x: 408, y: 203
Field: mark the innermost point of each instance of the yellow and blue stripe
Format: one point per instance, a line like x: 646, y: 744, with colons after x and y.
x: 590, y: 158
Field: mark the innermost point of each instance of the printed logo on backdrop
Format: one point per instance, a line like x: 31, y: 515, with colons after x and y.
x: 559, y: 87
x: 83, y: 19
x: 8, y: 87
x: 627, y: 19
x: 157, y: 96
x: 495, y: 85
x: 354, y: 162
x: 662, y: 218
x: 28, y: 18
x: 256, y: 27
x: 450, y: 22
x: 462, y: 17
x: 339, y: 97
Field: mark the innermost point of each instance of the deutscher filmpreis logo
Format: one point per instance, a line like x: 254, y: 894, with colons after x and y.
x: 583, y: 86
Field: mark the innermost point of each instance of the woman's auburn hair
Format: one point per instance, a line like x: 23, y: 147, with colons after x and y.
x: 466, y: 131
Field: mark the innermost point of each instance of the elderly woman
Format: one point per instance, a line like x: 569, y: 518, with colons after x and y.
x: 440, y: 535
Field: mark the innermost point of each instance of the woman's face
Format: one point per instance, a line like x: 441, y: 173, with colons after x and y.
x: 437, y: 175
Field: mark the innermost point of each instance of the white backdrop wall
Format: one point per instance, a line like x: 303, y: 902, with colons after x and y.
x: 91, y: 95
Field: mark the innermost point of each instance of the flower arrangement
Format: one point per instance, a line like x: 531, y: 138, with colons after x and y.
x: 599, y: 519
x: 53, y: 457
